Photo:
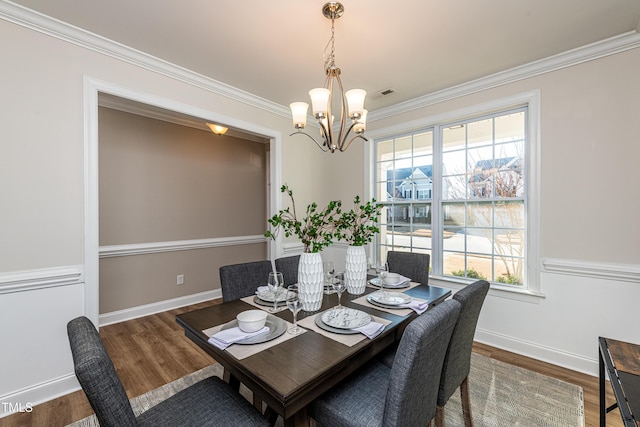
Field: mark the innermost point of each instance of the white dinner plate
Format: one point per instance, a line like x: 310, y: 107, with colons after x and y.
x: 326, y: 327
x: 389, y: 298
x: 264, y: 303
x: 345, y: 318
x: 267, y: 295
x: 376, y: 283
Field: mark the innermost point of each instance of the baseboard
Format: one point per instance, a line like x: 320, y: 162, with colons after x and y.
x: 157, y: 307
x: 24, y: 400
x: 574, y: 362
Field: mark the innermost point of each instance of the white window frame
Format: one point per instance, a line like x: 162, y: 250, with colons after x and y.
x: 532, y: 178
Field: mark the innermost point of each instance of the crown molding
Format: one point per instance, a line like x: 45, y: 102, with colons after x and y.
x: 170, y: 116
x: 610, y: 46
x: 50, y: 26
x: 44, y: 24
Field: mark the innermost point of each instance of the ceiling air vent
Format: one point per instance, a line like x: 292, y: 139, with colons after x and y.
x: 381, y: 93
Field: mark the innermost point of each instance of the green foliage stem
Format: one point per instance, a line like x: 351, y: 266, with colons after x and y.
x: 315, y: 231
x: 358, y: 225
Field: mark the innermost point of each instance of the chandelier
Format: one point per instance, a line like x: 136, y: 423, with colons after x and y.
x: 322, y: 100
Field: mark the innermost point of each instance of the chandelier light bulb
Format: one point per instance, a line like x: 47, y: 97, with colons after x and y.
x: 299, y: 114
x: 361, y: 124
x: 355, y: 101
x: 319, y: 101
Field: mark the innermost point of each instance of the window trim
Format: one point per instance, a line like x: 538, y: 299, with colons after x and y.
x: 532, y: 100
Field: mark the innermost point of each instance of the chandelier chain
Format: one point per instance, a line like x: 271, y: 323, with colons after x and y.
x: 330, y: 62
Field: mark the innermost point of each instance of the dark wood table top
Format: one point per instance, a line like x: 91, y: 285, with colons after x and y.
x: 290, y: 375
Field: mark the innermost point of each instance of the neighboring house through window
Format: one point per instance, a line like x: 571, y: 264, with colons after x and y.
x: 459, y: 190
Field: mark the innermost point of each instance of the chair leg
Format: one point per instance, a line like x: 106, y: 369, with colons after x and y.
x: 466, y: 403
x: 439, y: 416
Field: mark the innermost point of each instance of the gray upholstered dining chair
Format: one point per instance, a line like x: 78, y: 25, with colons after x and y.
x: 457, y: 361
x: 209, y: 402
x: 288, y: 266
x: 401, y: 395
x: 410, y: 264
x: 241, y: 280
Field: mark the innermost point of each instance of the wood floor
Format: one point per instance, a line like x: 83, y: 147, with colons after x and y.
x: 152, y: 351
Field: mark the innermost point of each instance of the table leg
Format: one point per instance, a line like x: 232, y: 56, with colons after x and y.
x: 602, y: 393
x: 299, y: 419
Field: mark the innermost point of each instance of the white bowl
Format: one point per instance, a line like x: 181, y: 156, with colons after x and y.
x: 251, y: 320
x: 391, y: 278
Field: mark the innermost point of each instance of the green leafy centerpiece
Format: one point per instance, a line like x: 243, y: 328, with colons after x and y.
x: 316, y: 231
x: 358, y: 226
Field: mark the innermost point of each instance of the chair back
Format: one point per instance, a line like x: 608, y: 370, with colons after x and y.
x: 288, y: 266
x: 410, y: 264
x: 457, y: 362
x: 415, y: 374
x: 97, y: 375
x: 241, y: 280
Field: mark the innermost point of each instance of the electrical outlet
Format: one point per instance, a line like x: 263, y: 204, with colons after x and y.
x: 180, y: 279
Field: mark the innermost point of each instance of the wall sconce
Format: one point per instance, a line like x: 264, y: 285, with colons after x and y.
x: 217, y: 129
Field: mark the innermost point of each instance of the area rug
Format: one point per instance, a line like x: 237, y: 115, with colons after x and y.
x: 501, y: 395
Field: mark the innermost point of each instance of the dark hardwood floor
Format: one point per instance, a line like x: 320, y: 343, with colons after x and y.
x: 151, y: 351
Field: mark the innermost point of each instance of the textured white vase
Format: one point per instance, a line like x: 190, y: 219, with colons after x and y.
x: 310, y: 281
x: 355, y: 271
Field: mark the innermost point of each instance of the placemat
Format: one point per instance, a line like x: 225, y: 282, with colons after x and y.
x: 398, y: 312
x: 249, y: 300
x: 242, y: 351
x: 348, y: 340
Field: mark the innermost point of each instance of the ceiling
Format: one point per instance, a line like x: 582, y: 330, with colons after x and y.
x: 414, y: 47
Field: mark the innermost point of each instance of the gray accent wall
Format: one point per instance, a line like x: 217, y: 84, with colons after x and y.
x: 163, y: 182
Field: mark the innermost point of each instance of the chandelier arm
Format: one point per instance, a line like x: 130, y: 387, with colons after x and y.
x: 310, y: 137
x: 326, y: 137
x: 342, y: 136
x: 345, y: 146
x: 329, y: 134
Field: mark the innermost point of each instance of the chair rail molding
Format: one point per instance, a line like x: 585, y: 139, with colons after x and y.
x: 28, y: 280
x: 599, y: 270
x: 177, y: 245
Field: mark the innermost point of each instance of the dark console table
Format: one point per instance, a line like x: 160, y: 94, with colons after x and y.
x: 621, y: 361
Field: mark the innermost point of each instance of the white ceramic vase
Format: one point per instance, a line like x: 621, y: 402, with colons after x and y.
x: 310, y: 281
x: 355, y: 271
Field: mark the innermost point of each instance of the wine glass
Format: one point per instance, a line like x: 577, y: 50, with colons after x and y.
x: 382, y: 268
x: 329, y: 269
x: 294, y: 305
x: 339, y: 285
x: 275, y: 283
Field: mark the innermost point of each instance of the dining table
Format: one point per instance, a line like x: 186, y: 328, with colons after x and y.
x: 289, y: 372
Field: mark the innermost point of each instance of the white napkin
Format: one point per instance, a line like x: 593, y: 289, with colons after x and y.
x: 371, y: 330
x: 225, y: 338
x: 401, y: 282
x: 262, y: 289
x: 417, y: 306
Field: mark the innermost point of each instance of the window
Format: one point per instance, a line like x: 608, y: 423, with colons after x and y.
x: 458, y: 190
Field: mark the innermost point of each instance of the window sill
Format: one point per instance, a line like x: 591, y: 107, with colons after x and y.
x: 501, y: 291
